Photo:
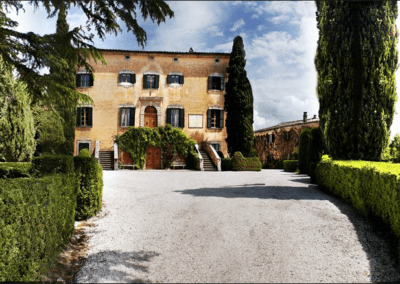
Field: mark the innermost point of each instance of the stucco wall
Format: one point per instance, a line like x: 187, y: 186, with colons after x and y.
x: 108, y: 95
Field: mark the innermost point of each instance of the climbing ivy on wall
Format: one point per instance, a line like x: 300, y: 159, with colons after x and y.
x: 356, y: 62
x: 172, y: 141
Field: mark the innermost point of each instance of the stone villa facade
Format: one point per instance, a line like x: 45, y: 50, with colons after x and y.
x: 277, y: 143
x: 149, y: 88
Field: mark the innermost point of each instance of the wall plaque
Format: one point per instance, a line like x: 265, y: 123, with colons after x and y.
x: 196, y: 120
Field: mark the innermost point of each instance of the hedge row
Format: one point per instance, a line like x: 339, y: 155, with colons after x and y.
x: 36, y: 220
x: 240, y: 163
x: 14, y: 170
x: 371, y: 187
x: 226, y: 164
x: 290, y: 165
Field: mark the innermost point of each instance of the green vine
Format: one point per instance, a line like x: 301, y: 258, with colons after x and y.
x: 172, y: 141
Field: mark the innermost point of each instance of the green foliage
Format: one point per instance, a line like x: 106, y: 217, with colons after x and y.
x: 36, y: 221
x: 15, y: 170
x: 356, y: 61
x: 90, y: 190
x: 84, y: 153
x: 394, y: 149
x: 317, y: 145
x: 371, y: 187
x: 312, y: 168
x: 51, y: 164
x: 192, y: 159
x: 290, y: 165
x: 305, y: 150
x: 239, y: 103
x: 226, y: 164
x: 50, y: 132
x: 17, y: 131
x: 253, y: 152
x: 240, y: 163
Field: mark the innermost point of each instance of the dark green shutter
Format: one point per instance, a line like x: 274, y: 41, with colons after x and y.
x: 90, y: 80
x: 157, y: 79
x: 119, y: 78
x: 78, y: 80
x: 133, y: 78
x: 181, y: 118
x: 221, y: 119
x: 132, y: 116
x: 89, y: 117
x: 169, y: 115
x: 145, y: 82
x: 78, y: 116
x: 168, y: 79
x: 209, y: 118
x: 181, y: 80
x: 210, y: 83
x: 222, y: 82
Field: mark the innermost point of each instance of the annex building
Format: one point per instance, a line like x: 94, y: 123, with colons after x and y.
x: 147, y: 89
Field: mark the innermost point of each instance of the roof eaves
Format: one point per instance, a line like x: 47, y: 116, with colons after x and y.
x: 285, y: 124
x: 165, y: 52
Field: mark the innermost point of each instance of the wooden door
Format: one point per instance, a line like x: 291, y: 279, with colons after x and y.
x: 153, y: 160
x: 150, y: 117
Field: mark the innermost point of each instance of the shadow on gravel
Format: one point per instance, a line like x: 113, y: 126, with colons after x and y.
x: 112, y: 267
x: 367, y: 228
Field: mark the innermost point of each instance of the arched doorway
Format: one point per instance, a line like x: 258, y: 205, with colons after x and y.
x: 150, y: 117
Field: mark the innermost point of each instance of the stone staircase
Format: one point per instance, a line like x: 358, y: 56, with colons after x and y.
x: 208, y: 164
x: 106, y: 160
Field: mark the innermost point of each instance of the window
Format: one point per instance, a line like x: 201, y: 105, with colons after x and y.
x: 216, y: 146
x: 215, y: 83
x: 84, y: 80
x: 83, y: 145
x: 150, y: 81
x: 287, y: 135
x: 176, y: 117
x: 127, y: 116
x: 271, y: 138
x: 84, y: 116
x: 215, y: 118
x: 127, y: 78
x: 175, y: 79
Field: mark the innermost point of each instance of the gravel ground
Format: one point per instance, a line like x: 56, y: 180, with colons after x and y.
x: 268, y: 226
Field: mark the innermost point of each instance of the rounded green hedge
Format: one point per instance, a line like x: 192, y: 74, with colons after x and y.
x: 290, y: 165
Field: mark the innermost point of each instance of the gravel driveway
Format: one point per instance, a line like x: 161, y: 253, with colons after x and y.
x: 190, y: 226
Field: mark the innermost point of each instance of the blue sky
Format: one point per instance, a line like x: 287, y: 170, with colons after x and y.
x: 280, y: 39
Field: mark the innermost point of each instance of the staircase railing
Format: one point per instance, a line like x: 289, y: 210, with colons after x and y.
x: 200, y: 158
x: 213, y: 155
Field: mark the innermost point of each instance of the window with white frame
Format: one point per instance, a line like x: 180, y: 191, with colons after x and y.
x: 176, y: 117
x: 84, y: 116
x: 175, y: 79
x: 215, y: 118
x: 151, y: 81
x: 127, y: 116
x: 126, y: 77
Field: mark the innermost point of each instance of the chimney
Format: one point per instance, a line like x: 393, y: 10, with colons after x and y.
x: 315, y: 116
x: 305, y: 117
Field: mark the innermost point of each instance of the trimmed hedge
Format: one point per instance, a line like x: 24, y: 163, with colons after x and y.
x: 290, y: 165
x: 90, y: 192
x: 226, y: 164
x: 305, y: 150
x: 371, y: 187
x: 51, y: 164
x: 15, y: 170
x: 240, y: 163
x: 36, y: 220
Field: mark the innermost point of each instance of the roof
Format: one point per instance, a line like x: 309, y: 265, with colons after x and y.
x: 290, y: 123
x: 167, y: 52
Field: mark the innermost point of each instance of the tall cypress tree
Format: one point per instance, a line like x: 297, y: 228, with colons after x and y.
x: 239, y: 103
x: 356, y: 62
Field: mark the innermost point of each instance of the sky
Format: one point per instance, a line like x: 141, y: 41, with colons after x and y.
x: 280, y: 40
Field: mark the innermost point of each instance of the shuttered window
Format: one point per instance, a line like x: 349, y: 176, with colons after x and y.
x: 215, y: 83
x: 84, y: 116
x: 127, y: 116
x: 151, y: 81
x: 175, y: 79
x: 176, y: 117
x: 84, y: 80
x: 127, y: 78
x: 215, y: 118
x: 83, y: 145
x: 216, y: 146
x: 271, y: 138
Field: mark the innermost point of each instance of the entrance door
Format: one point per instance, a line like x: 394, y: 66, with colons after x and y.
x: 153, y: 160
x: 150, y: 117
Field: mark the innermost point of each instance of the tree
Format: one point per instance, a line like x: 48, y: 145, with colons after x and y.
x: 356, y: 62
x: 17, y: 131
x: 28, y: 53
x: 394, y: 149
x: 51, y: 132
x: 239, y: 103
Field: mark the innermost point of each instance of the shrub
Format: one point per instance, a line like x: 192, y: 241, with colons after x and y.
x: 50, y: 164
x: 304, y: 150
x: 36, y: 220
x: 317, y: 145
x: 90, y: 190
x: 253, y: 152
x: 84, y: 153
x: 192, y: 159
x: 312, y: 172
x: 290, y: 165
x: 15, y: 170
x: 51, y: 132
x: 226, y: 164
x: 240, y: 163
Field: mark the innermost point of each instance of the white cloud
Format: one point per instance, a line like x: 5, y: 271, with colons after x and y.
x: 238, y: 24
x: 255, y: 16
x: 278, y: 19
x: 215, y: 31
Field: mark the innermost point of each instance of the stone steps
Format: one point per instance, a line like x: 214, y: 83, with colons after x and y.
x: 106, y: 160
x: 208, y: 164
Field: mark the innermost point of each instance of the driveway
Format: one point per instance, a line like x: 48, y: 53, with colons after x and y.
x: 190, y: 226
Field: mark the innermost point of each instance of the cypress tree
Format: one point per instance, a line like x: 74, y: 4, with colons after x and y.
x: 239, y: 103
x: 356, y: 62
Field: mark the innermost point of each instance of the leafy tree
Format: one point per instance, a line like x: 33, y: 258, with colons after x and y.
x: 29, y: 52
x: 305, y: 150
x: 51, y: 132
x: 17, y: 131
x: 394, y: 149
x: 239, y: 103
x: 356, y: 62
